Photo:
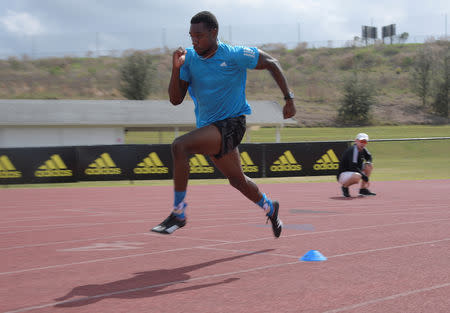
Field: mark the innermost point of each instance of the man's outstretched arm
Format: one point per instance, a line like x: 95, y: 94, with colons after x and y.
x: 267, y: 62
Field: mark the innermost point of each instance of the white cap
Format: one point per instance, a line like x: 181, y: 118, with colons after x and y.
x: 362, y: 136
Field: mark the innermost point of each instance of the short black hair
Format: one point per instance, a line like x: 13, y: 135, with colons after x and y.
x: 206, y: 17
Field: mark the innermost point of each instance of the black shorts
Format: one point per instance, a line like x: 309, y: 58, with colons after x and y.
x: 232, y: 130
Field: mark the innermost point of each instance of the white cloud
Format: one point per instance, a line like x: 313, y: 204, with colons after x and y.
x: 21, y: 23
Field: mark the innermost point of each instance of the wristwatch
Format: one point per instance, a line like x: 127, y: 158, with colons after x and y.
x: 289, y: 96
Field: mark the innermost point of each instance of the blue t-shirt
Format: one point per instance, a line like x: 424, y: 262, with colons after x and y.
x: 217, y: 84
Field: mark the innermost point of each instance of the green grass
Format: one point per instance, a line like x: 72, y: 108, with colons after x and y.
x: 393, y: 160
x: 295, y: 134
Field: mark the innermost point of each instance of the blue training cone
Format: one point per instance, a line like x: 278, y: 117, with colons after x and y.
x: 313, y: 255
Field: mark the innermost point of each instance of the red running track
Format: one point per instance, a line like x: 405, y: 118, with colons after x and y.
x: 89, y: 250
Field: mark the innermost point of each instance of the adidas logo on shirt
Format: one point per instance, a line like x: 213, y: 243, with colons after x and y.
x: 328, y: 161
x: 54, y: 167
x: 247, y: 163
x: 223, y: 64
x: 286, y: 162
x: 199, y: 165
x: 104, y: 165
x: 7, y: 169
x: 151, y: 165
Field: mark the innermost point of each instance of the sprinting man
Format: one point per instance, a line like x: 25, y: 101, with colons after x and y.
x: 215, y: 74
x: 356, y: 165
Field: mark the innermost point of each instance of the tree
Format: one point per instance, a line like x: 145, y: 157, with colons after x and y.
x: 358, y: 98
x: 403, y: 37
x: 136, y: 76
x: 421, y: 74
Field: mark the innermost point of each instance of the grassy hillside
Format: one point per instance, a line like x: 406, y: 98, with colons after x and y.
x: 315, y: 75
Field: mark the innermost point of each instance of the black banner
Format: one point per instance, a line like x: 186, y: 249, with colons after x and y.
x: 144, y: 162
x: 150, y: 162
x: 252, y: 159
x: 104, y: 162
x: 38, y: 165
x: 285, y: 159
x: 303, y: 159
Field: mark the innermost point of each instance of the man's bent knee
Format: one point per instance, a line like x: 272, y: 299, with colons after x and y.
x: 178, y: 147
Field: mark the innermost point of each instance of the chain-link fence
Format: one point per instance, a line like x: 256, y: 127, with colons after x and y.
x: 160, y: 39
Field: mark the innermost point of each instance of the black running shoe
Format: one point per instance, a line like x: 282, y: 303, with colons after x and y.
x: 345, y: 192
x: 169, y: 225
x: 277, y: 224
x: 366, y: 192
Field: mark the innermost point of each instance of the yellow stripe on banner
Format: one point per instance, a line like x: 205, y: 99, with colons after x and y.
x: 333, y: 156
x: 194, y: 162
x: 50, y: 165
x: 100, y: 163
x: 7, y: 163
x: 201, y: 158
x: 148, y: 162
x: 284, y: 160
x: 105, y: 156
x: 246, y: 158
x: 326, y: 158
x: 290, y: 157
x: 58, y: 161
x: 156, y: 160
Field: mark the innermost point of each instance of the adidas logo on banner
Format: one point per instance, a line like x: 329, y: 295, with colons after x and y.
x: 104, y: 165
x: 328, y: 161
x: 54, y: 167
x: 199, y: 165
x: 247, y: 163
x: 286, y: 162
x: 151, y: 165
x: 7, y: 169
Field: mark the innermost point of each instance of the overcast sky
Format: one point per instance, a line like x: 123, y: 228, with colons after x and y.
x: 56, y: 27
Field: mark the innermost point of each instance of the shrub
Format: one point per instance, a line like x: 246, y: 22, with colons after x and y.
x: 136, y: 76
x: 358, y: 98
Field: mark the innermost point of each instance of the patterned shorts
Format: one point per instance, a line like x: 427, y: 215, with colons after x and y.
x: 232, y: 130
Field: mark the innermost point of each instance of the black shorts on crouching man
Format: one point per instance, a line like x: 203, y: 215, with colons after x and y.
x: 232, y: 130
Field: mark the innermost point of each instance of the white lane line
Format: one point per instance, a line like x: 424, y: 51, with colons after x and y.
x: 202, y: 247
x: 247, y: 251
x: 151, y: 287
x: 257, y: 239
x: 91, y: 261
x: 390, y: 248
x: 104, y: 237
x: 105, y: 295
x: 70, y: 241
x: 392, y: 297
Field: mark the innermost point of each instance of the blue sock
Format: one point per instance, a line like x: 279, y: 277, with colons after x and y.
x: 178, y: 209
x: 266, y: 203
x: 179, y: 197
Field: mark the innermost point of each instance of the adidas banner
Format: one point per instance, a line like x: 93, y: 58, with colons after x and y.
x: 303, y: 159
x: 324, y: 157
x: 252, y: 159
x: 104, y: 162
x: 37, y: 165
x: 124, y: 162
x: 251, y: 156
x: 144, y: 162
x: 150, y: 162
